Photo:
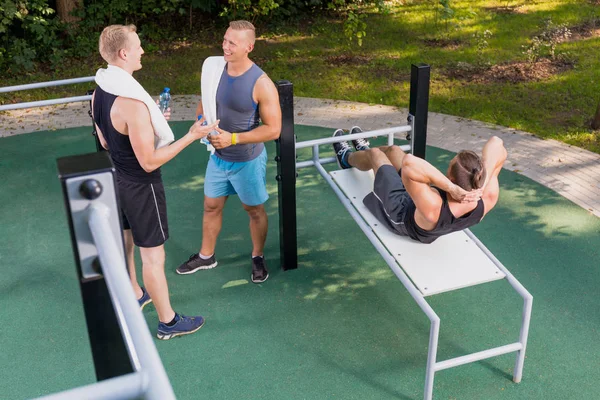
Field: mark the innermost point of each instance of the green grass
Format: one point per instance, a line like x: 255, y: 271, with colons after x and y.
x: 559, y: 107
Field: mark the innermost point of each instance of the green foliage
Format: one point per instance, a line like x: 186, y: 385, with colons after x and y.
x: 544, y: 44
x: 28, y: 33
x: 481, y: 45
x: 355, y: 27
x: 248, y: 9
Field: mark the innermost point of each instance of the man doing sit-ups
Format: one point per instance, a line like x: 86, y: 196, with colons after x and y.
x: 413, y: 198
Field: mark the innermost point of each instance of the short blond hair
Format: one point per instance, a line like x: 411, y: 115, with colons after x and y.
x: 242, y: 25
x: 113, y: 39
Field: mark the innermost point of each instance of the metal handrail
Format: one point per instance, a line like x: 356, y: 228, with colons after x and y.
x: 39, y: 85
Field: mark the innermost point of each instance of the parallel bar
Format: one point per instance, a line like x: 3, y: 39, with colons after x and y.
x: 418, y: 106
x: 44, y: 103
x: 40, y: 85
x: 130, y: 386
x: 362, y: 135
x: 331, y: 160
x: 286, y: 178
x: 482, y: 355
x: 133, y: 325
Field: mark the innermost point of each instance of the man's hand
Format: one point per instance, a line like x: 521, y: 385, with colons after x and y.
x: 462, y: 196
x: 198, y: 131
x: 222, y: 140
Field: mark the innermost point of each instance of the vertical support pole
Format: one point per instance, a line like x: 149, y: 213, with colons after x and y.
x: 418, y: 106
x: 109, y: 351
x: 527, y: 305
x: 434, y: 334
x: 286, y: 178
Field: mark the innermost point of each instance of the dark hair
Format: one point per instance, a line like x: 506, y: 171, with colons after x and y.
x: 468, y: 170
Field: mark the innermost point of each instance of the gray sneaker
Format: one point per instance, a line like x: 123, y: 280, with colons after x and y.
x: 195, y: 263
x: 359, y: 144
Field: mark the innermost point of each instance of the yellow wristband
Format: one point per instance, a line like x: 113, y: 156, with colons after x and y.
x: 234, y: 138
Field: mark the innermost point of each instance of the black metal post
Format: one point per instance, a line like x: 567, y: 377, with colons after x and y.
x: 418, y: 108
x: 286, y: 178
x: 109, y: 351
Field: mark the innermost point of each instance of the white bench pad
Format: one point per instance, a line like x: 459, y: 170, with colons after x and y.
x: 452, y: 262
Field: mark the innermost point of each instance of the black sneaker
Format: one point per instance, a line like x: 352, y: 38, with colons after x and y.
x: 195, y: 263
x: 341, y: 150
x: 359, y: 144
x: 259, y: 270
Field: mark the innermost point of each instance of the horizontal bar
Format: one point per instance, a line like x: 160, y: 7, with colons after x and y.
x: 130, y: 386
x: 331, y: 160
x: 496, y: 351
x: 40, y: 85
x: 134, y: 328
x: 43, y: 103
x: 362, y: 135
x: 311, y: 163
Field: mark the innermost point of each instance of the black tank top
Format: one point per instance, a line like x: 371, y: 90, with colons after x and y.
x: 447, y: 223
x: 119, y: 145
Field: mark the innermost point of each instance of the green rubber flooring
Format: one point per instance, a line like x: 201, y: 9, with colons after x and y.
x: 341, y: 326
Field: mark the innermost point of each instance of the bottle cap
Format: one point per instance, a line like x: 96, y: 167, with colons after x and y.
x: 199, y: 117
x: 167, y: 89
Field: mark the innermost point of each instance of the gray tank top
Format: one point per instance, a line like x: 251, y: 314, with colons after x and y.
x: 238, y: 112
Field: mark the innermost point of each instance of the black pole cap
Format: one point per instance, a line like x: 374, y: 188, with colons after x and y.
x: 90, y: 189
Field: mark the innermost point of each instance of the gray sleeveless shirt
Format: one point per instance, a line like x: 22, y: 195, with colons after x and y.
x: 238, y: 112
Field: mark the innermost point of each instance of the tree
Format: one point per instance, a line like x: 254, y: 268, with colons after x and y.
x: 64, y: 9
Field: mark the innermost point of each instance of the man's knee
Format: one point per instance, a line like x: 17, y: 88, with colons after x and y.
x: 153, y: 257
x: 256, y: 212
x: 214, y: 205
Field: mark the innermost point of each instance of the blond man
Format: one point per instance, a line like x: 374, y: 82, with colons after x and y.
x: 126, y: 130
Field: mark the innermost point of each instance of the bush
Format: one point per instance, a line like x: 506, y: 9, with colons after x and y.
x: 29, y: 33
x: 32, y: 34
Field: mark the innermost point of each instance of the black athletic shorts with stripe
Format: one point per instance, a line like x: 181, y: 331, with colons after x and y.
x: 144, y: 211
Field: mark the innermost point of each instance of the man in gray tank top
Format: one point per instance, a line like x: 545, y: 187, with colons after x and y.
x: 245, y: 95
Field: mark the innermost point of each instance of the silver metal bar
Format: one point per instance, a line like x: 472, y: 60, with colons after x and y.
x: 133, y: 325
x: 527, y: 306
x: 40, y: 85
x: 362, y: 135
x: 391, y: 139
x: 130, y: 386
x: 311, y: 163
x: 481, y: 355
x: 434, y: 336
x: 42, y: 103
x: 331, y: 160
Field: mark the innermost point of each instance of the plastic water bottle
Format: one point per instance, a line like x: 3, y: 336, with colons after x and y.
x: 164, y: 99
x: 204, y: 140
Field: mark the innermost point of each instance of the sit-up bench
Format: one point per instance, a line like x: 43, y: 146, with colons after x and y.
x: 452, y: 262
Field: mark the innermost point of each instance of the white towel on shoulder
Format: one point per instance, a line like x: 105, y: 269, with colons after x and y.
x: 212, y: 69
x: 118, y: 82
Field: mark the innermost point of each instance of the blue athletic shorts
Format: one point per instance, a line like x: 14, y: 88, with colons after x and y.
x: 247, y: 179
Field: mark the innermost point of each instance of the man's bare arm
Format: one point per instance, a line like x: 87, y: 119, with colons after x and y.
x: 199, y: 109
x: 494, y: 155
x: 141, y: 135
x: 418, y: 175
